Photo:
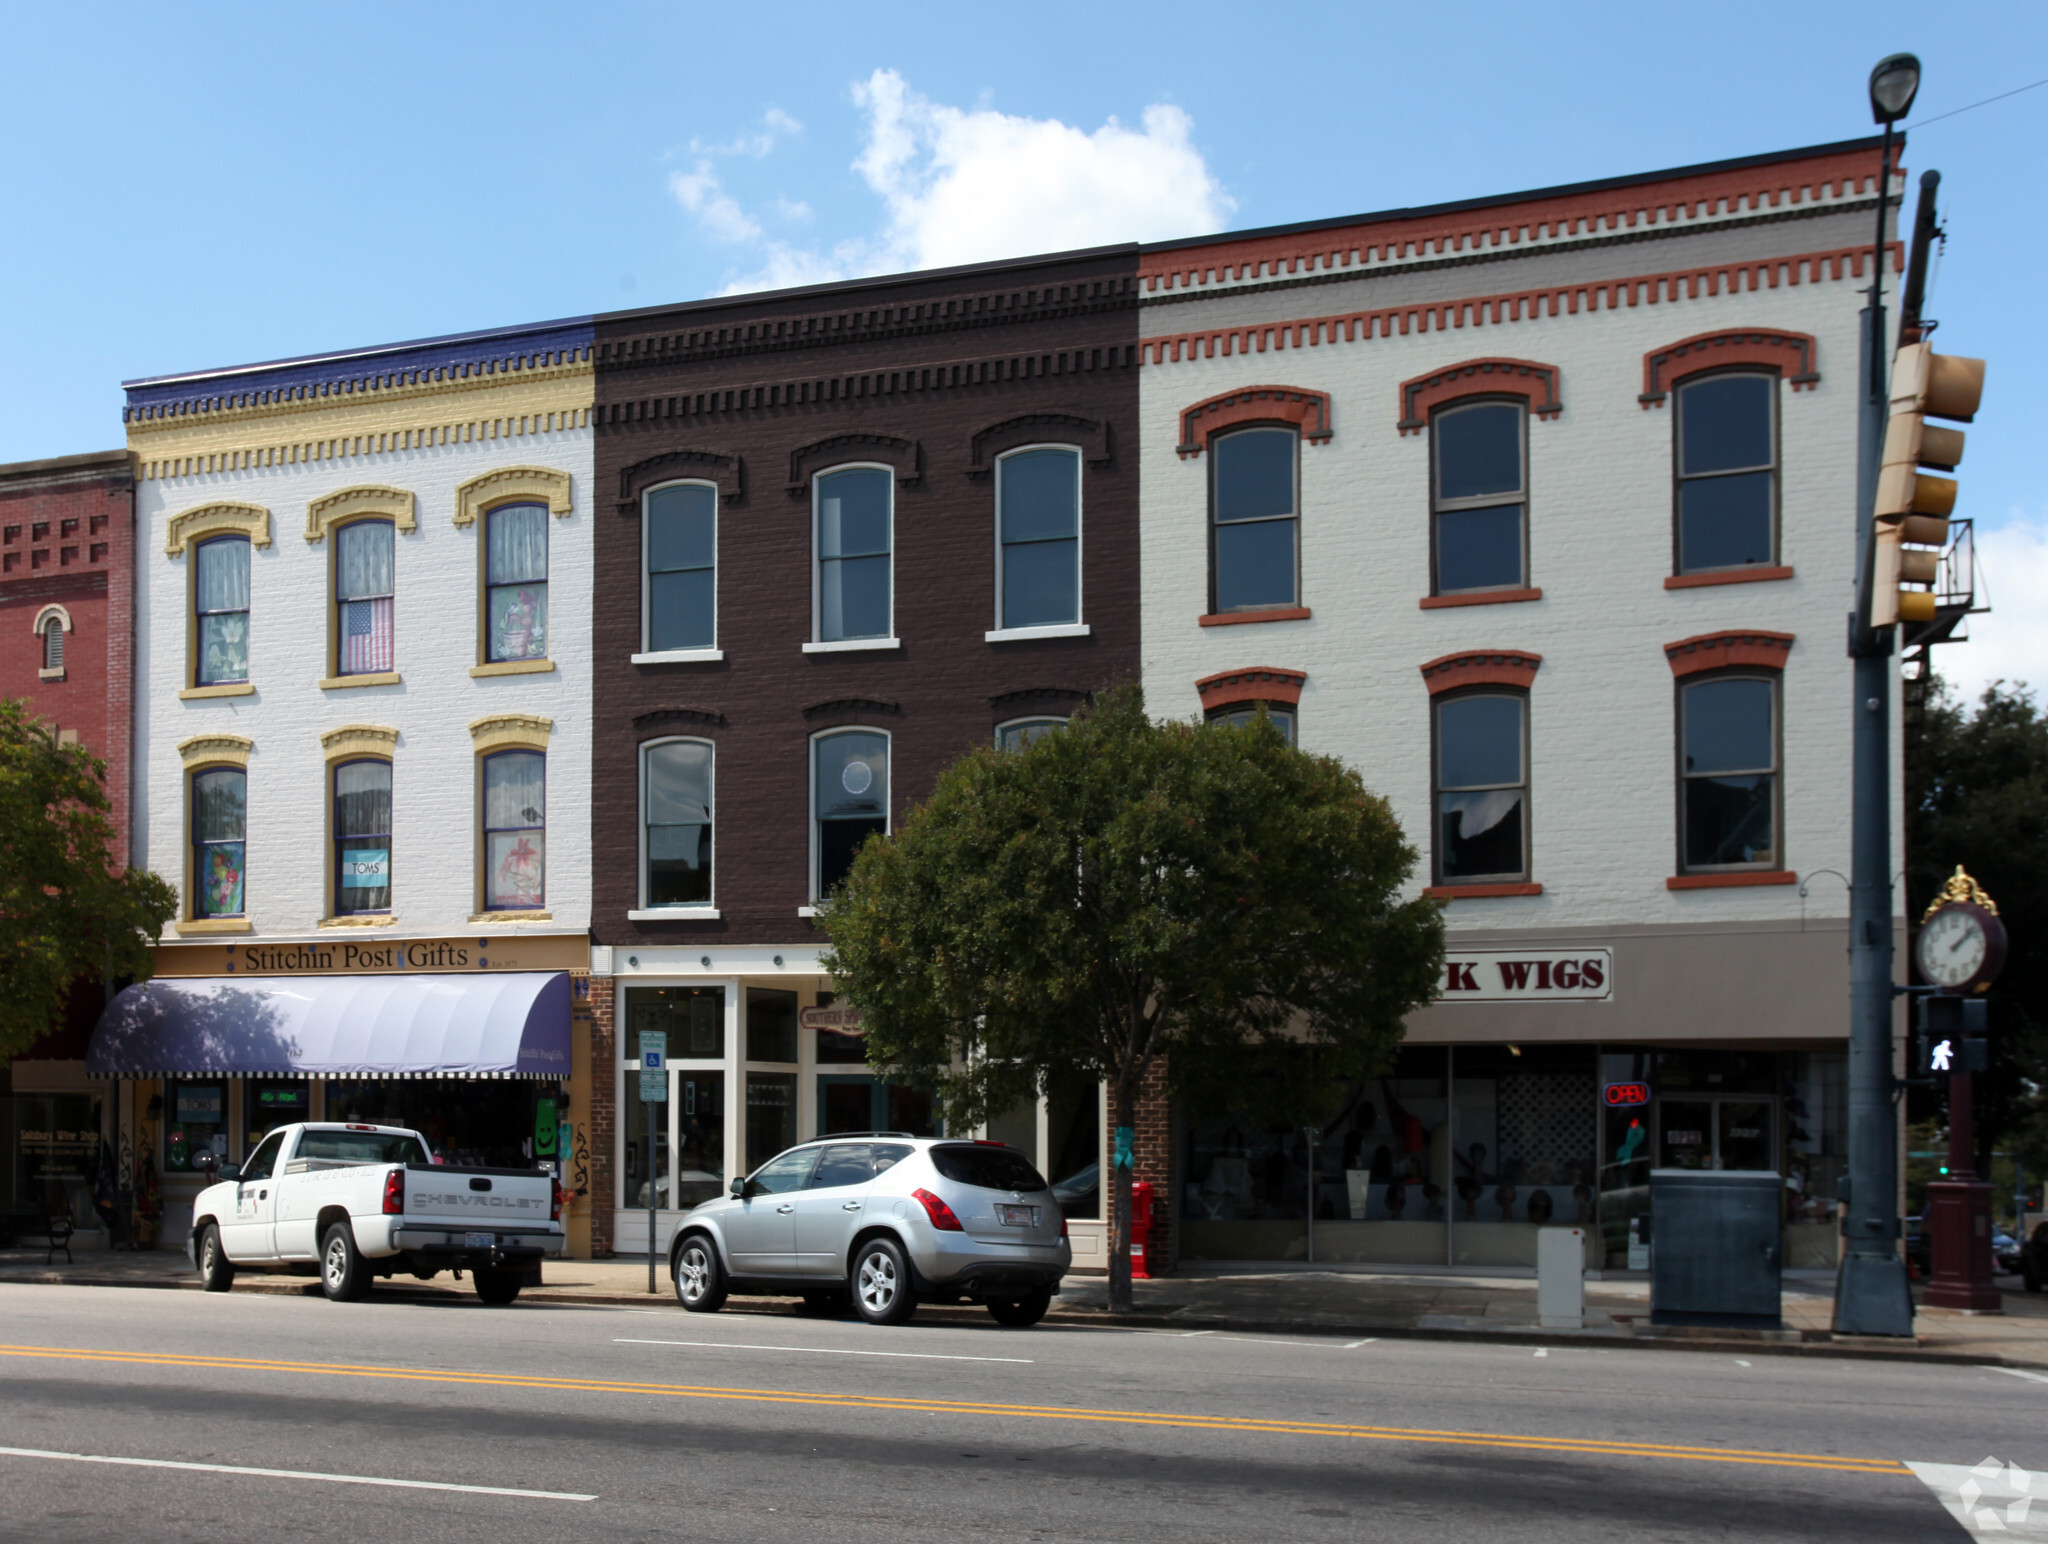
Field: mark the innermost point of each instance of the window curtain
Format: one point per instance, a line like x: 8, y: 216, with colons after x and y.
x: 363, y: 559
x: 519, y: 544
x: 224, y: 575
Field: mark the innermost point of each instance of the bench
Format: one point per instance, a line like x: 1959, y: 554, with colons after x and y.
x: 33, y: 1225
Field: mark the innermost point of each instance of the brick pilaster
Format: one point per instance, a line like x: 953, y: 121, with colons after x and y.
x: 1158, y: 1160
x: 604, y: 1115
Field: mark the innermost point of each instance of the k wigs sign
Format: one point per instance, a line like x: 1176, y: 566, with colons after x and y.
x: 1527, y: 975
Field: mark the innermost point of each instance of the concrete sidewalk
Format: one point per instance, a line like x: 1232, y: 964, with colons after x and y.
x: 1268, y: 1299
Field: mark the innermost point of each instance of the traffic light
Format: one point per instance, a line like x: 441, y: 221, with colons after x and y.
x: 1952, y: 1034
x: 1912, y: 507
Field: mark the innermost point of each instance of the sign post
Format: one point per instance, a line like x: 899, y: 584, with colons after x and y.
x: 653, y: 1094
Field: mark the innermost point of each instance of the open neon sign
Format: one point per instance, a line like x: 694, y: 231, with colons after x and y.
x: 1626, y: 1096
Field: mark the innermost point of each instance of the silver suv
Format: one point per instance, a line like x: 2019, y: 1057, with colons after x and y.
x: 886, y: 1219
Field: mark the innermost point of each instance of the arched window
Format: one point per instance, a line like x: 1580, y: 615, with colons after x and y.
x: 854, y: 546
x: 364, y: 578
x: 849, y: 801
x: 219, y: 824
x: 53, y: 646
x: 1019, y: 733
x: 515, y: 830
x: 676, y: 802
x: 362, y: 837
x: 1482, y: 787
x: 1728, y: 773
x: 515, y: 583
x: 220, y: 606
x: 1254, y: 519
x: 1242, y: 713
x: 1726, y: 470
x: 1038, y: 537
x: 1479, y: 497
x: 679, y: 537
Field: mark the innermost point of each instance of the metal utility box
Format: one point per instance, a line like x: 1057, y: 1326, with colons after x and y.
x: 1715, y: 1254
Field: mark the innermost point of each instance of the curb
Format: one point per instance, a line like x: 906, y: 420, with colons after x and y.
x: 1179, y: 1319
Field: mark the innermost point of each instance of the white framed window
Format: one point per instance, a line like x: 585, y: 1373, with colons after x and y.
x: 679, y: 572
x: 849, y: 800
x: 1482, y: 787
x: 1038, y: 543
x: 1725, y: 449
x: 1254, y: 519
x: 1479, y: 508
x: 220, y: 611
x: 676, y: 802
x: 1020, y: 733
x: 853, y: 558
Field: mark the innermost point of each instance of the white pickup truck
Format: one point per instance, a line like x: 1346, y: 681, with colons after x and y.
x: 350, y: 1202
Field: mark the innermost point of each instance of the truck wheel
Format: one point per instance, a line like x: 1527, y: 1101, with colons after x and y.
x: 699, y: 1278
x: 495, y: 1286
x: 216, y: 1271
x: 1020, y: 1313
x: 343, y: 1275
x: 882, y: 1293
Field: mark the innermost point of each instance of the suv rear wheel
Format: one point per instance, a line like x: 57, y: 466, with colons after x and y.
x: 699, y: 1278
x: 882, y: 1293
x: 1020, y: 1313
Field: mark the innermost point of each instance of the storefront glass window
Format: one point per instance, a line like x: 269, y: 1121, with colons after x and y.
x: 55, y: 1140
x: 471, y: 1122
x: 270, y: 1103
x: 636, y: 1163
x: 1074, y: 1148
x: 771, y: 1025
x: 195, y: 1124
x: 771, y: 1115
x: 693, y: 1018
x: 1523, y: 1139
x: 1816, y: 1154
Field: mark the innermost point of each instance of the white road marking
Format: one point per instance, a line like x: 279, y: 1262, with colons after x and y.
x: 1370, y: 1340
x: 1989, y: 1499
x: 1192, y: 1334
x: 2014, y: 1372
x: 1739, y: 1362
x: 734, y: 1345
x: 1544, y: 1352
x: 295, y: 1474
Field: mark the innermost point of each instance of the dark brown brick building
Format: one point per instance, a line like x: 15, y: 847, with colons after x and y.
x: 902, y: 511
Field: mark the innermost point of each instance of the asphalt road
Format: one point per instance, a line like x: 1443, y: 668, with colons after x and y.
x: 653, y: 1424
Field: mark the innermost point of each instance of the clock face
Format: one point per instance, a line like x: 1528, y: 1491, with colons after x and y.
x: 1952, y: 948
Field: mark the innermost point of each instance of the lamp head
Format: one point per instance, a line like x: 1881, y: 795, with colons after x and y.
x: 1893, y: 85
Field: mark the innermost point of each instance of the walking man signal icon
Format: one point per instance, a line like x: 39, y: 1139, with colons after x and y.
x: 1944, y: 1053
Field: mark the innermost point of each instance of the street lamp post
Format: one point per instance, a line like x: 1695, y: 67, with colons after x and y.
x: 1871, y: 1295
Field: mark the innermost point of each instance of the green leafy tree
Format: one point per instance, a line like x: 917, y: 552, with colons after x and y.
x: 66, y: 913
x: 1977, y: 795
x: 1125, y: 891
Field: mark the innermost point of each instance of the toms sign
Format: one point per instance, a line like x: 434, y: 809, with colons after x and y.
x: 1526, y: 975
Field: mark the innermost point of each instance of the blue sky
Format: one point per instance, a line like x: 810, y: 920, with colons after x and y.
x: 214, y: 184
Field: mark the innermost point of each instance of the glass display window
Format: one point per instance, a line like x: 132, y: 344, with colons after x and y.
x: 693, y: 1018
x: 268, y: 1103
x: 195, y: 1124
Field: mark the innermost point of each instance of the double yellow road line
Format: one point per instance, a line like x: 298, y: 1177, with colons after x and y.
x: 1576, y: 1446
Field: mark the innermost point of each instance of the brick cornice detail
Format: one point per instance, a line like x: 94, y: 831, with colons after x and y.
x: 836, y: 706
x: 1488, y: 667
x: 1026, y: 698
x: 724, y: 468
x: 1091, y: 434
x: 1254, y: 683
x: 1792, y: 354
x: 1717, y: 651
x: 1535, y: 303
x: 1309, y: 411
x: 903, y: 457
x: 218, y: 750
x: 707, y: 718
x: 509, y: 731
x: 352, y: 740
x: 1535, y: 383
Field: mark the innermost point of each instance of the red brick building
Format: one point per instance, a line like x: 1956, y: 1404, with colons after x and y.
x: 67, y: 634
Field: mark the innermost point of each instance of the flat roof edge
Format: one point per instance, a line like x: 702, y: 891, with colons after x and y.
x: 339, y: 356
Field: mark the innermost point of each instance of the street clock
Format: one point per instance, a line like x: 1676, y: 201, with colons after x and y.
x: 1961, y: 946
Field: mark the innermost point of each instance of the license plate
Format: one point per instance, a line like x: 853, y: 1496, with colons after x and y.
x: 479, y: 1240
x: 1017, y: 1216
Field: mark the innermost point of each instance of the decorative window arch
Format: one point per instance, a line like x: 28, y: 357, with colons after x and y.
x: 1721, y: 651
x: 514, y: 485
x: 1794, y: 355
x: 186, y: 527
x: 510, y: 731
x: 394, y: 504
x: 1535, y: 383
x: 1257, y: 683
x: 1308, y: 411
x: 215, y: 750
x: 1090, y: 435
x: 904, y: 459
x: 52, y: 623
x: 353, y: 741
x: 52, y: 613
x: 1514, y: 668
x: 692, y: 463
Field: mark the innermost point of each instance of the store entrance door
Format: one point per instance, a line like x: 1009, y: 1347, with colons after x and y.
x: 1736, y: 1132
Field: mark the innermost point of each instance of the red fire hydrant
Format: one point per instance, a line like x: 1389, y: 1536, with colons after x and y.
x: 1141, y: 1228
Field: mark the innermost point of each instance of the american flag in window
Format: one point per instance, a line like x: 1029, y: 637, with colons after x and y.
x: 362, y: 595
x: 366, y: 636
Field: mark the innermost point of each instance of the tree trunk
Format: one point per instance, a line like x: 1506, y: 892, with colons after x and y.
x: 1121, y: 1113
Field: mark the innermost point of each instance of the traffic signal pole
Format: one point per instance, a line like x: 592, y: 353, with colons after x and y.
x: 1871, y: 1294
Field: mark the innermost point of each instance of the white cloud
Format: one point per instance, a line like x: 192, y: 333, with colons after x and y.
x: 717, y: 211
x: 2011, y: 643
x: 965, y: 186
x: 776, y: 124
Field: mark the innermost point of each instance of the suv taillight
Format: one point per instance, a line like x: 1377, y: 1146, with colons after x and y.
x: 555, y: 1212
x: 394, y: 1193
x: 938, y: 1211
x: 1063, y: 1224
